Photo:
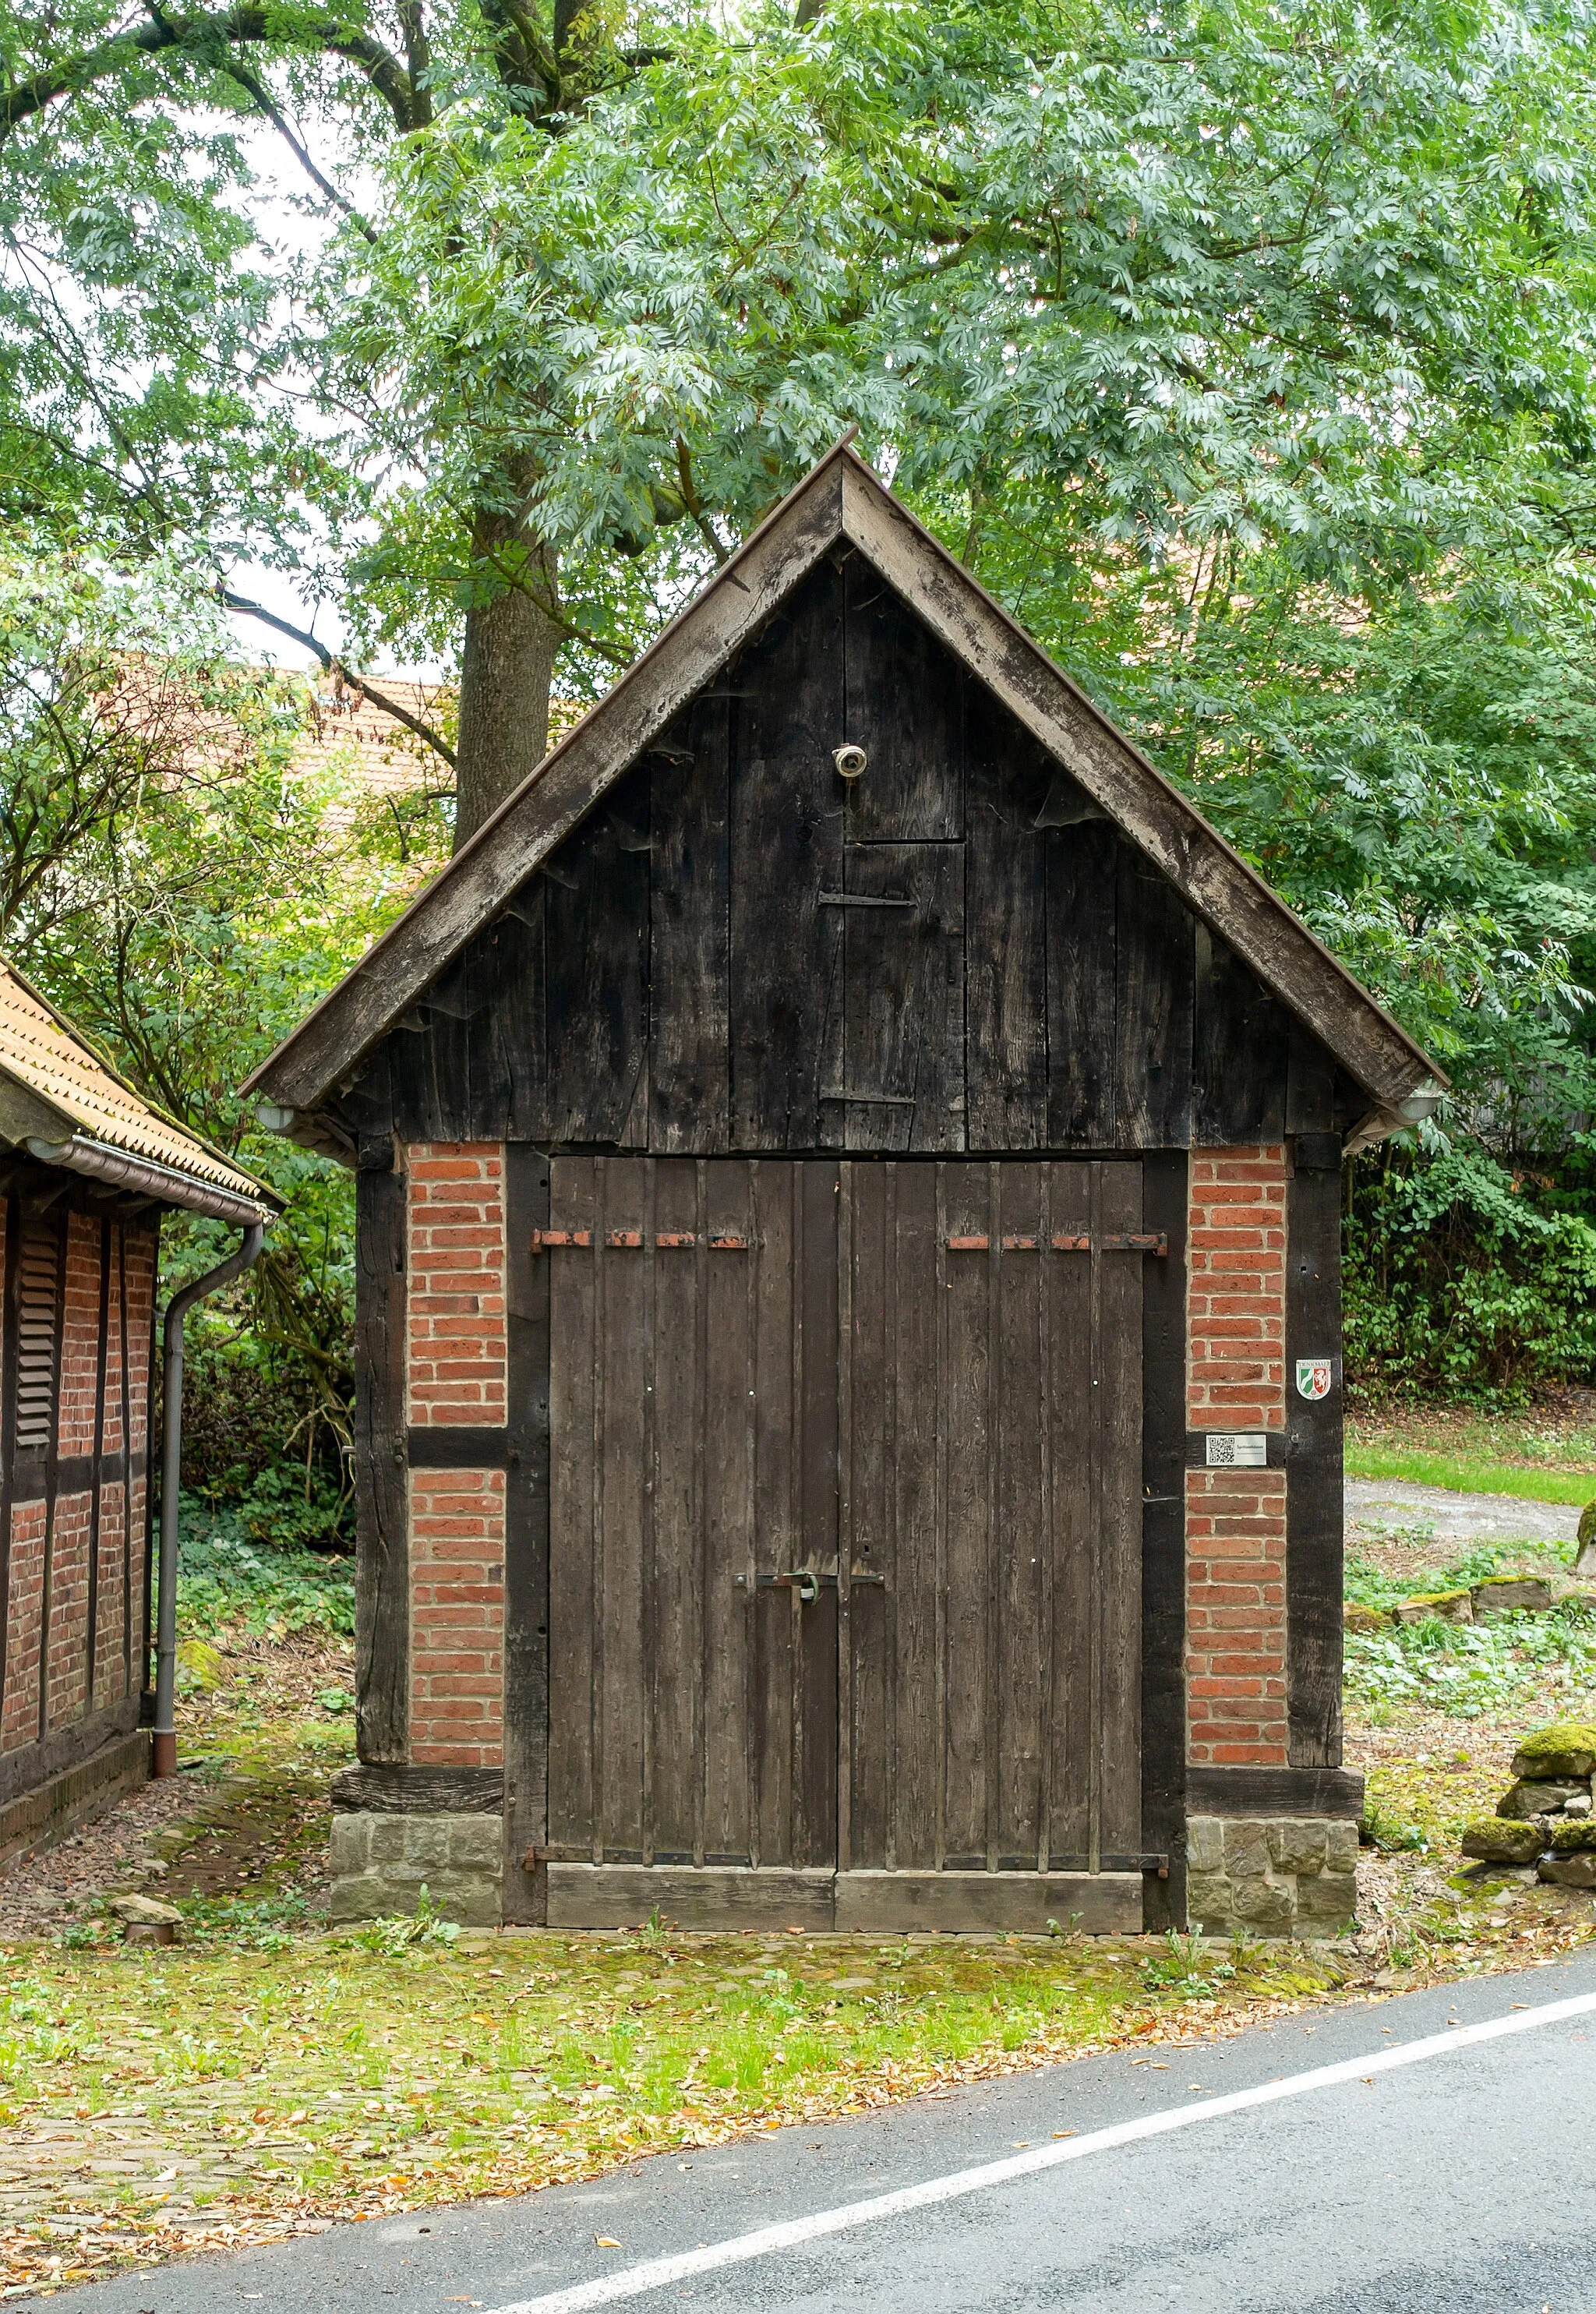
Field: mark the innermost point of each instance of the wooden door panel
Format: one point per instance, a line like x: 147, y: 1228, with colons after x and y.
x: 993, y: 1473
x: 693, y: 1705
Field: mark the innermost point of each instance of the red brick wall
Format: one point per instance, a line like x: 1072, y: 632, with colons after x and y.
x: 62, y: 1542
x: 456, y: 1371
x: 1236, y: 1625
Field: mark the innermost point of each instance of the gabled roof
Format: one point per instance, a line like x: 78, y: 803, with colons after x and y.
x: 62, y: 1102
x: 841, y: 501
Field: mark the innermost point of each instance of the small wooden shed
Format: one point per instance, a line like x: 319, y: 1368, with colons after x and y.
x: 849, y: 1355
x: 87, y: 1168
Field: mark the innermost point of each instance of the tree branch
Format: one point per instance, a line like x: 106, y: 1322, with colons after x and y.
x: 258, y: 89
x: 334, y: 664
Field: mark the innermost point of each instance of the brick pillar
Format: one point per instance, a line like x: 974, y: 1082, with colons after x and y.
x: 456, y: 1379
x: 1236, y: 1621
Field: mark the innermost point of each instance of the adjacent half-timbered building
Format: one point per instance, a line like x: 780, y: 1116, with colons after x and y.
x: 849, y: 1387
x: 87, y: 1170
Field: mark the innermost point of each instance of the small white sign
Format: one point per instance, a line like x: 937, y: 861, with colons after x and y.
x: 1247, y: 1450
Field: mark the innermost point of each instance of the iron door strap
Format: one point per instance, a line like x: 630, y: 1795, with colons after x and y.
x: 631, y: 1241
x: 808, y: 1583
x: 1156, y: 1242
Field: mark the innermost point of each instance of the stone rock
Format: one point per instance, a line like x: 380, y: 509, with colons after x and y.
x: 200, y: 1665
x: 1508, y: 1594
x: 1264, y: 1904
x: 1503, y: 1840
x: 1573, y: 1833
x: 1540, y: 1796
x: 1585, y: 1563
x: 1578, y: 1871
x: 149, y: 1911
x: 1296, y: 1846
x: 1246, y: 1847
x: 1204, y: 1844
x: 1328, y: 1899
x: 1341, y: 1845
x: 1567, y: 1748
x: 1437, y: 1607
x: 1208, y: 1901
x: 1359, y: 1617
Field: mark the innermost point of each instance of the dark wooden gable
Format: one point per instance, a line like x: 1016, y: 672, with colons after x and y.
x: 738, y: 949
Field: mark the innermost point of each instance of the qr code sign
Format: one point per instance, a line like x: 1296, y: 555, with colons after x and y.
x: 1236, y: 1449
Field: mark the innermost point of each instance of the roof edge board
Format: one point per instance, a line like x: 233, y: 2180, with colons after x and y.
x: 1208, y: 872
x: 615, y: 731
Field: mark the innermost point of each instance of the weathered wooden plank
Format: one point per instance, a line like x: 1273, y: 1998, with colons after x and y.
x: 866, y: 1383
x: 674, y: 1655
x: 124, y: 1369
x: 1154, y: 961
x: 966, y: 1591
x: 815, y: 1745
x: 1070, y: 1414
x: 903, y: 998
x: 624, y: 1291
x: 544, y: 812
x: 596, y: 912
x: 1019, y: 1711
x: 1275, y: 1791
x: 381, y: 1509
x: 904, y: 707
x: 1006, y: 905
x: 1163, y: 1535
x: 711, y: 1901
x: 775, y: 1249
x: 1214, y: 880
x: 397, y: 1788
x: 1119, y: 1571
x: 786, y: 849
x: 1082, y: 936
x: 690, y: 1067
x: 907, y: 1605
x: 512, y: 1025
x: 1310, y: 1084
x: 1007, y: 1904
x: 575, y: 1519
x: 1241, y: 1042
x: 526, y: 1531
x: 1314, y: 1489
x: 727, y: 1513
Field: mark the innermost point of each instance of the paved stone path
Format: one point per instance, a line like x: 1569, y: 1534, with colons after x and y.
x: 1459, y: 1518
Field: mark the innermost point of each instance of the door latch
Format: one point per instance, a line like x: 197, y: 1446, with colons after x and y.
x: 804, y: 1580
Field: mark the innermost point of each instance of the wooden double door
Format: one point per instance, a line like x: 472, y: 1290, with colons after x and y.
x: 845, y: 1542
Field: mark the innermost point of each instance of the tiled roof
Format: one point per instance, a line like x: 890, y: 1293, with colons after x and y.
x: 39, y: 1051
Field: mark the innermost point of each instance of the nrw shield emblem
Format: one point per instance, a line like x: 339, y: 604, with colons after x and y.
x: 1314, y: 1377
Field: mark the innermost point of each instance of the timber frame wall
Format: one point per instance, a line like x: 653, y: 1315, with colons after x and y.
x: 77, y: 1311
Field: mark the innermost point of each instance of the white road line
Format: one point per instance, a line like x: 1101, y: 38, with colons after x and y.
x: 636, y: 2281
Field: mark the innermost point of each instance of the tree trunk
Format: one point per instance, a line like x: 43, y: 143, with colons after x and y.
x: 508, y: 664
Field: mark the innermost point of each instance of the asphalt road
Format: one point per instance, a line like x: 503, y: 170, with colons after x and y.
x: 1460, y: 2184
x: 1458, y: 1518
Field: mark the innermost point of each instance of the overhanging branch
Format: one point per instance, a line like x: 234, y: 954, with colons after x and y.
x: 334, y: 664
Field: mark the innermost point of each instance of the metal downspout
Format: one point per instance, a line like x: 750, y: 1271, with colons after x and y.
x: 172, y: 1448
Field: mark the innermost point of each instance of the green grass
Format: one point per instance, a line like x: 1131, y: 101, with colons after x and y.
x: 1468, y: 1477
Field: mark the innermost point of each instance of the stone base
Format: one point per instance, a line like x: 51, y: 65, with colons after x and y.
x: 1271, y: 1875
x: 381, y: 1862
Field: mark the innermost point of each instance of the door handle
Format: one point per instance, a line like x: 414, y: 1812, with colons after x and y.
x: 801, y: 1580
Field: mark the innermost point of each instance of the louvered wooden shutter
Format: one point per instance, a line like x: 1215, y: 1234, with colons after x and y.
x: 36, y: 1336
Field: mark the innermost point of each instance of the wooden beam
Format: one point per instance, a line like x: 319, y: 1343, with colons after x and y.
x: 382, y: 1506
x: 1273, y: 1791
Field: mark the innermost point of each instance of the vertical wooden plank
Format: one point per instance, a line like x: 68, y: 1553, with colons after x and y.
x: 814, y: 1795
x: 1163, y: 1538
x: 870, y: 1406
x: 1019, y: 1528
x: 514, y: 1020
x: 576, y: 1518
x: 1082, y: 935
x: 1070, y: 1415
x: 1241, y: 1042
x: 1314, y: 1489
x: 731, y: 1380
x: 1310, y: 1084
x: 526, y: 1533
x: 903, y: 998
x: 786, y: 951
x: 124, y: 1350
x: 909, y: 1609
x: 775, y: 1250
x: 845, y: 1414
x: 966, y: 1589
x: 623, y: 1291
x: 1154, y: 965
x: 1006, y: 965
x: 690, y: 1024
x: 674, y: 1569
x: 382, y: 1506
x: 904, y: 707
x: 101, y: 1358
x: 596, y: 943
x: 1118, y: 1372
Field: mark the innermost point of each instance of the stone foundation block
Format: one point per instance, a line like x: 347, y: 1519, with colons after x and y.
x: 1271, y: 1876
x: 381, y: 1862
